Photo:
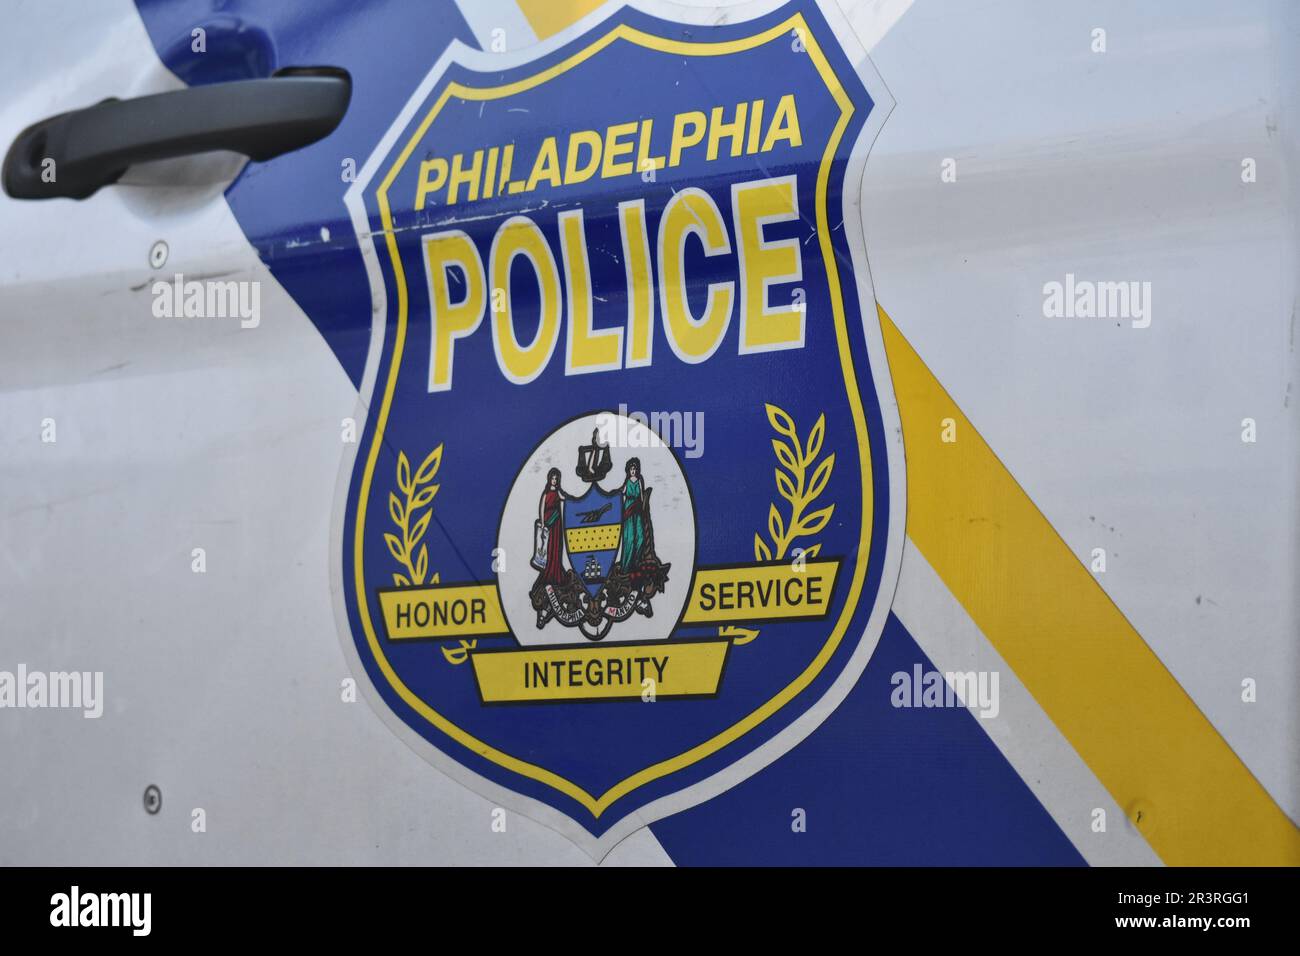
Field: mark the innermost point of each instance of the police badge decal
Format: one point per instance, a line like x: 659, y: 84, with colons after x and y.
x: 626, y: 513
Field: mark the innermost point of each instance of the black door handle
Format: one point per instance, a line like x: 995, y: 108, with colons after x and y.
x: 93, y: 147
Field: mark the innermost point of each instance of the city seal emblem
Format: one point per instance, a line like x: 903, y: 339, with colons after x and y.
x: 626, y: 512
x: 613, y: 570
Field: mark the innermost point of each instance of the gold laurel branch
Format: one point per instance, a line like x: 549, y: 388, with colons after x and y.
x: 800, y: 479
x: 408, y: 547
x: 418, y: 492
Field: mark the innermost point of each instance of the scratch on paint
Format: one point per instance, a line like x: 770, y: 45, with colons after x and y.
x: 458, y: 220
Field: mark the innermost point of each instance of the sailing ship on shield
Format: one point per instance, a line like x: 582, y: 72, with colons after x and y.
x: 595, y: 552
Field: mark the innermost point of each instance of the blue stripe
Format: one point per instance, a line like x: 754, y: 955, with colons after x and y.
x: 879, y: 786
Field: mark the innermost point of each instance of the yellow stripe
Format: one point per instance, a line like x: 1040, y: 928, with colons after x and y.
x: 1122, y: 711
x: 548, y: 17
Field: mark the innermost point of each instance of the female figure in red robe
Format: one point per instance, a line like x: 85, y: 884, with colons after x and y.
x: 550, y: 512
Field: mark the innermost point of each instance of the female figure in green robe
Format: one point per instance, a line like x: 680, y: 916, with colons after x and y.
x: 636, y: 533
x: 639, y: 572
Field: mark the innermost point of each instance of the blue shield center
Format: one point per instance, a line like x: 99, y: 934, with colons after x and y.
x: 592, y: 525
